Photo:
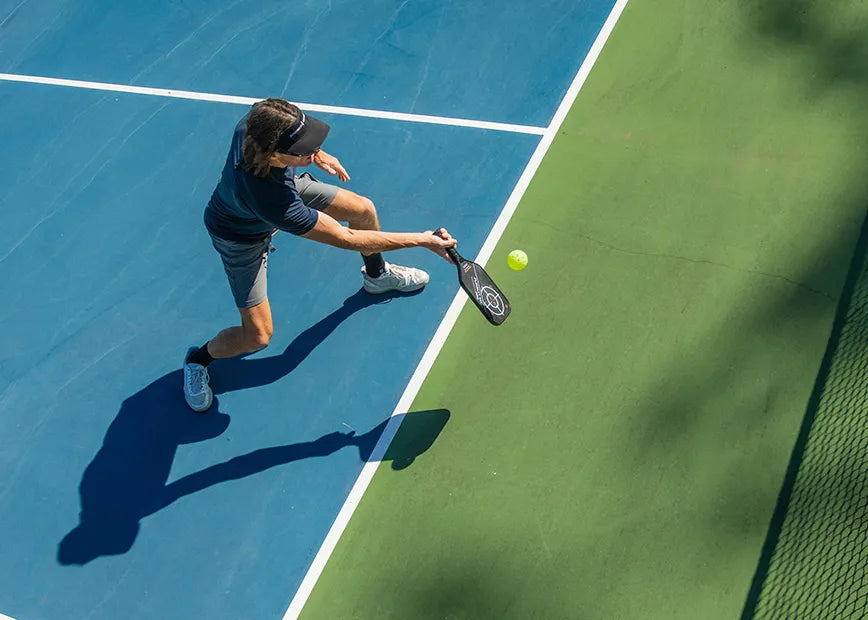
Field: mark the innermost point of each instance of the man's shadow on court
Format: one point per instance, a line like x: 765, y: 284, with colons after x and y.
x: 126, y: 481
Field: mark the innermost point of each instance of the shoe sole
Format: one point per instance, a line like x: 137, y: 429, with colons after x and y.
x: 201, y: 409
x: 394, y: 290
x: 204, y: 407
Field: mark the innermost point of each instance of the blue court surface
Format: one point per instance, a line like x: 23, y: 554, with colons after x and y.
x: 117, y: 500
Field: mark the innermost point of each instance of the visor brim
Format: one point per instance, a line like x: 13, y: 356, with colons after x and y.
x: 309, y: 139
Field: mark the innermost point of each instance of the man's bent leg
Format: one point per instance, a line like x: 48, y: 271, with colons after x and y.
x: 379, y: 276
x: 246, y: 267
x: 359, y: 212
x: 253, y: 334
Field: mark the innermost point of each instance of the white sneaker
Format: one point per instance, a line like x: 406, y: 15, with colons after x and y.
x: 395, y: 278
x: 197, y: 391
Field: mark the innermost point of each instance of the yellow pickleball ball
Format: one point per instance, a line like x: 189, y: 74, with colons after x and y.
x: 517, y: 260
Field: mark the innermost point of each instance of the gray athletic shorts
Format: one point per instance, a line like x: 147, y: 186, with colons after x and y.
x: 246, y: 263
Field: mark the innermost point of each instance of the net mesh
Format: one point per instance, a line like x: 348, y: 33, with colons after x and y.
x: 817, y: 567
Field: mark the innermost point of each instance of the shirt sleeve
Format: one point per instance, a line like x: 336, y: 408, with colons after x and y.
x: 281, y: 206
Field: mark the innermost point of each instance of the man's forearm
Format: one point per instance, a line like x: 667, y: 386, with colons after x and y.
x: 367, y: 241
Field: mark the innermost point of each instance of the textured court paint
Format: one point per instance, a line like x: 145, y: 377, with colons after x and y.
x: 615, y: 450
x: 107, y: 276
x: 502, y: 60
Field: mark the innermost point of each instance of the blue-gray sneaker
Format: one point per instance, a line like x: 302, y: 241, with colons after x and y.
x: 395, y: 278
x: 197, y: 391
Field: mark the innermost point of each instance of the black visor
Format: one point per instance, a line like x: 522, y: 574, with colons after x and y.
x: 304, y: 137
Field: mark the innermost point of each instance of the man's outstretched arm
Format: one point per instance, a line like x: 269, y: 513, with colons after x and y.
x: 329, y: 231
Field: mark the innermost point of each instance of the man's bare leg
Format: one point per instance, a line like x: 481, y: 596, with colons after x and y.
x: 253, y: 334
x: 359, y: 212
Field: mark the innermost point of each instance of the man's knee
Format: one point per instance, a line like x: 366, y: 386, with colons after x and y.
x: 256, y: 339
x: 359, y: 211
x: 366, y: 209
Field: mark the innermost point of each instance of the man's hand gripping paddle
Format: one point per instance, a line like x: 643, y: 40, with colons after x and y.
x: 481, y: 289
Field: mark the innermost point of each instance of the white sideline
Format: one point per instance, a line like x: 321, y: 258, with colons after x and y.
x: 311, y: 107
x: 364, y: 479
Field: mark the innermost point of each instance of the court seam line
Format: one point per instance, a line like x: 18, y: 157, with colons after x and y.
x: 310, y: 107
x: 425, y: 364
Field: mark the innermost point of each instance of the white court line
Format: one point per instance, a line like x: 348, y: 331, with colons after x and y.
x: 311, y: 107
x: 447, y: 323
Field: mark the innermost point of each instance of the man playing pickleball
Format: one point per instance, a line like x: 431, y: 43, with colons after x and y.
x: 260, y: 192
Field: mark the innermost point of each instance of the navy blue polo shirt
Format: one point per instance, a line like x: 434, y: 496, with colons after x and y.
x: 247, y: 208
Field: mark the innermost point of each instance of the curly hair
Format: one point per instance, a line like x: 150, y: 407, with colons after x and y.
x: 268, y: 119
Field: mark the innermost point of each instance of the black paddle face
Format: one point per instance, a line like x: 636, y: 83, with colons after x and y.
x: 481, y: 289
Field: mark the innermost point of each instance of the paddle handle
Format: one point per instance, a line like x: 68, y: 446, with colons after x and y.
x: 451, y: 252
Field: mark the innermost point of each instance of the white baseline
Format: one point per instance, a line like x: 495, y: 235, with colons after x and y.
x: 403, y: 406
x: 310, y: 107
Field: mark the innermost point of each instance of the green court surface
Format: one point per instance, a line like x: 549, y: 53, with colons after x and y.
x: 618, y: 448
